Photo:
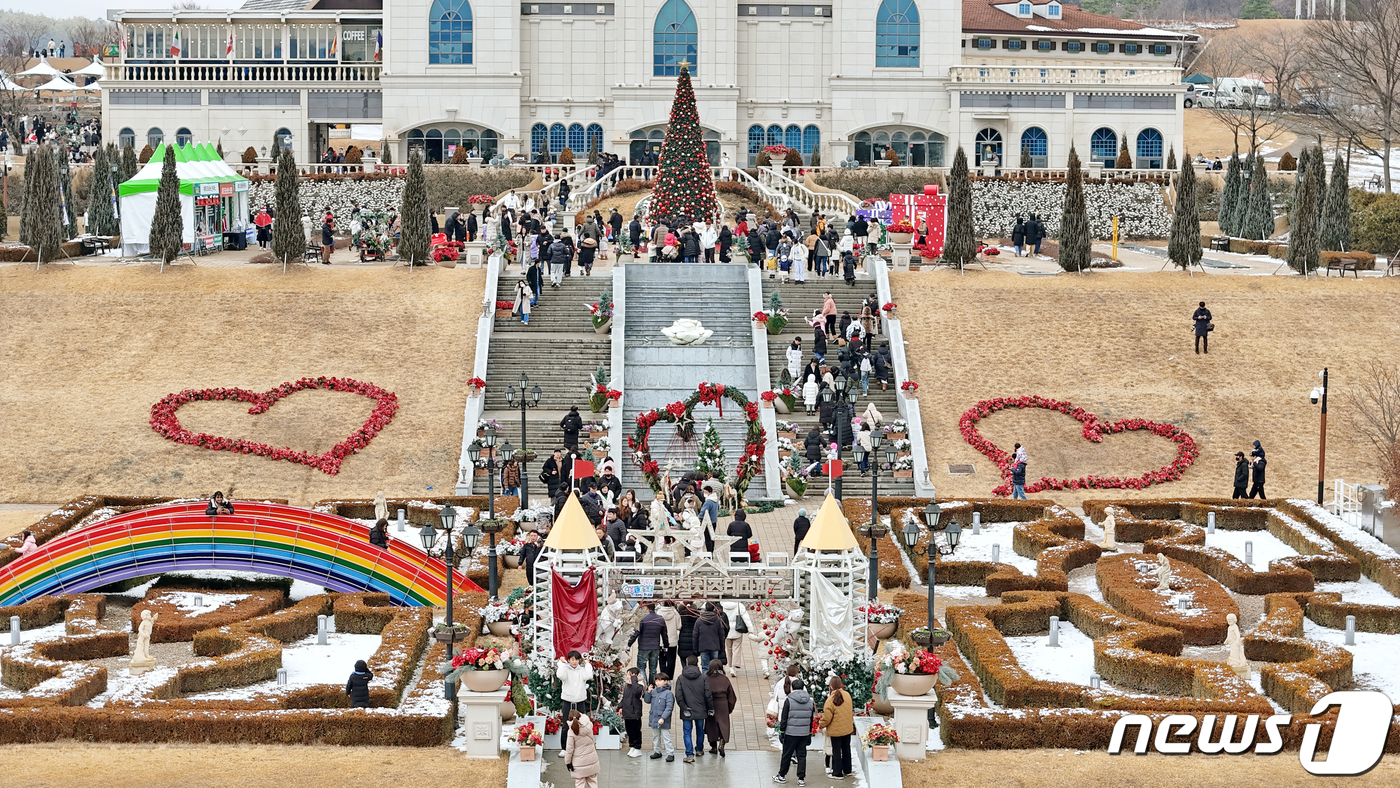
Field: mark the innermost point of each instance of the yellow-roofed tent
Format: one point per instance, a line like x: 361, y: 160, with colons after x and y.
x: 830, y: 530
x: 573, y: 530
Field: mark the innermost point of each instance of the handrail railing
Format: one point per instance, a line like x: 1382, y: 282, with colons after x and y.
x: 168, y: 73
x: 814, y: 201
x: 1088, y: 74
x: 776, y: 198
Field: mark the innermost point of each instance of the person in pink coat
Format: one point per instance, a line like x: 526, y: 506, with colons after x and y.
x: 581, y: 753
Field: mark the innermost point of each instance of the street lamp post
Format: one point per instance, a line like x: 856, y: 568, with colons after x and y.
x: 491, y: 526
x: 952, y: 532
x: 1320, y: 393
x: 874, y: 531
x: 525, y: 402
x: 471, y: 537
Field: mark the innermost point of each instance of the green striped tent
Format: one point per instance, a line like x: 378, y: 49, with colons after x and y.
x: 202, y: 174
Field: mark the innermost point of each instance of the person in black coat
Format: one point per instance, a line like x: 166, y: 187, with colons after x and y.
x: 571, y: 424
x: 813, y: 446
x: 217, y: 504
x: 1257, y: 466
x: 685, y: 641
x: 1018, y: 481
x: 826, y: 414
x: 630, y: 709
x: 586, y: 252
x: 819, y: 344
x: 472, y: 227
x: 740, y: 528
x: 1035, y: 233
x: 615, y: 222
x: 1241, y: 475
x: 379, y: 535
x: 534, y: 276
x: 358, y: 686
x: 530, y: 553
x: 1018, y: 235
x: 756, y: 247
x: 634, y: 232
x: 711, y: 628
x: 848, y: 270
x: 690, y: 246
x: 555, y: 473
x: 800, y: 527
x: 726, y: 241
x: 1201, y: 319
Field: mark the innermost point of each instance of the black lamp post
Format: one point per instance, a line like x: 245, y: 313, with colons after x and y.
x: 525, y: 402
x: 874, y: 531
x: 470, y: 539
x: 1321, y: 393
x: 952, y: 531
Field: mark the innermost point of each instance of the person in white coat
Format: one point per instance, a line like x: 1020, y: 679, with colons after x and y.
x: 709, y: 236
x: 574, y: 675
x: 734, y: 641
x: 810, y: 390
x: 794, y: 358
x: 798, y: 256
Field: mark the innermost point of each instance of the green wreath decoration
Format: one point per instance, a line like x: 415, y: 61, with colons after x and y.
x: 682, y: 415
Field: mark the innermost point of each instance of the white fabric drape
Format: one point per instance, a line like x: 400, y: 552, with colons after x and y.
x: 833, y: 620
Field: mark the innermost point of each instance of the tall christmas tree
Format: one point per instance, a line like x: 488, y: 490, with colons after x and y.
x: 1302, y: 223
x: 684, y: 185
x: 709, y: 455
x: 1258, y: 222
x: 101, y: 212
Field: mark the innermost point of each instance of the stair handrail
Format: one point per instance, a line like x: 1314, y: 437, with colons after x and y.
x: 908, y: 408
x: 778, y: 199
x: 774, y: 477
x: 617, y: 432
x: 814, y: 201
x: 466, y: 472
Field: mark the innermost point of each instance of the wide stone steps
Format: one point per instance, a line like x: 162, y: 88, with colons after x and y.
x: 562, y: 309
x: 560, y: 364
x: 720, y: 307
x: 666, y: 445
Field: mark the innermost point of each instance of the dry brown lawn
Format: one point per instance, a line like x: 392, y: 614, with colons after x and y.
x: 242, y: 766
x: 86, y: 351
x: 1120, y: 345
x: 14, y: 521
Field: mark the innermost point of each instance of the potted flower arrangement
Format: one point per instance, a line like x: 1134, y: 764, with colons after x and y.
x: 599, y: 448
x: 783, y: 399
x: 485, y: 424
x: 889, y: 310
x: 768, y: 397
x: 777, y: 155
x: 596, y: 429
x: 476, y: 386
x: 787, y: 429
x: 795, y: 474
x: 607, y: 728
x: 882, y: 620
x: 480, y: 669
x: 510, y: 551
x: 481, y: 199
x: 498, y: 617
x: 777, y: 315
x: 553, y: 724
x: 911, y: 672
x: 934, y: 638
x: 896, y: 429
x: 879, y: 737
x: 601, y: 312
x: 901, y: 232
x: 529, y: 738
x: 910, y: 389
x: 785, y: 448
x: 904, y: 467
x: 504, y: 308
x: 598, y: 391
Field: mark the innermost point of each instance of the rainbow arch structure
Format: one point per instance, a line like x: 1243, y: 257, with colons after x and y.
x: 268, y: 538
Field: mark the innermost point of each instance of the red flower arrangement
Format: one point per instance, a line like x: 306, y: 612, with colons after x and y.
x: 476, y: 383
x: 777, y: 150
x: 445, y: 252
x: 505, y: 304
x: 890, y: 306
x: 610, y: 393
x: 528, y: 735
x: 909, y: 385
x: 760, y: 317
x: 481, y: 199
x: 165, y: 422
x: 552, y: 725
x: 1093, y: 431
x: 900, y: 227
x: 768, y: 396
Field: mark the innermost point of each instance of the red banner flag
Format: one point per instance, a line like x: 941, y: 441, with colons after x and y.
x: 582, y: 468
x: 575, y: 613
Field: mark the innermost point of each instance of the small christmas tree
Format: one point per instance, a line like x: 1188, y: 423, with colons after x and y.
x: 961, y: 245
x: 1075, y: 239
x: 1025, y: 157
x: 1171, y: 158
x: 709, y: 455
x: 684, y: 185
x: 1125, y: 160
x: 1184, y: 245
x: 102, y: 219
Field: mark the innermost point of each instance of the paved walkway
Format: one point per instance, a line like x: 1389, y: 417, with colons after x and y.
x: 735, y: 770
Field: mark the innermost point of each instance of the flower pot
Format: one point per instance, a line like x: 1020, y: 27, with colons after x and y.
x: 938, y: 640
x: 500, y: 629
x: 447, y: 263
x: 896, y: 436
x: 798, y: 489
x: 551, y: 741
x: 513, y: 561
x: 912, y: 684
x: 911, y: 394
x: 901, y: 238
x: 596, y: 434
x: 882, y: 163
x: 883, y: 631
x: 503, y: 313
x: 780, y: 406
x: 527, y: 753
x: 613, y: 402
x: 904, y: 474
x: 604, y: 327
x: 480, y: 472
x: 486, y: 680
x: 507, y: 711
x: 607, y: 739
x: 599, y: 454
x: 776, y: 324
x: 766, y: 403
x: 455, y: 635
x: 792, y: 436
x: 882, y: 707
x: 783, y: 454
x: 880, y: 752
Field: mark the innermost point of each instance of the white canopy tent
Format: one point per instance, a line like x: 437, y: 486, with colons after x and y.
x: 93, y: 69
x: 43, y: 69
x: 7, y: 84
x: 59, y: 84
x: 213, y: 198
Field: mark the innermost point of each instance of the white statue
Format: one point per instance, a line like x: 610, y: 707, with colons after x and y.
x: 1235, y: 641
x: 789, y: 627
x: 1164, y: 573
x: 141, y: 659
x: 610, y: 620
x: 687, y: 331
x: 630, y: 622
x: 381, y: 507
x: 1109, y: 529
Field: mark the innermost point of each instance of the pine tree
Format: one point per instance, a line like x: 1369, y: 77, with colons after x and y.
x: 1125, y: 160
x: 684, y: 184
x: 386, y: 153
x: 288, y: 237
x: 413, y: 240
x: 167, y: 225
x: 1171, y: 158
x: 1231, y: 198
x: 4, y: 210
x: 1259, y: 214
x: 1335, y: 233
x: 220, y: 149
x: 960, y: 246
x: 25, y: 214
x: 45, y: 223
x: 1258, y: 9
x: 101, y: 218
x: 1184, y: 245
x: 1302, y: 222
x: 709, y: 455
x: 593, y: 150
x: 1075, y: 242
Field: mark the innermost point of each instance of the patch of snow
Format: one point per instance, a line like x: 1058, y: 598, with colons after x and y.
x: 1374, y: 666
x: 308, y: 663
x: 121, y: 684
x: 978, y: 547
x: 1267, y: 547
x: 1072, y: 661
x: 1350, y: 533
x: 184, y: 601
x: 1364, y: 591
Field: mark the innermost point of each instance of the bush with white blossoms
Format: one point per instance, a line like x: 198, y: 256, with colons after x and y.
x: 1140, y: 207
x: 339, y: 196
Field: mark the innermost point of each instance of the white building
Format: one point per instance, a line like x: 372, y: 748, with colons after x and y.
x: 853, y: 78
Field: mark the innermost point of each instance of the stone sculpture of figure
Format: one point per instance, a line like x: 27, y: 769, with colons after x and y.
x: 630, y: 621
x: 687, y: 331
x: 1164, y: 573
x: 1235, y: 641
x: 1109, y: 529
x: 141, y: 658
x: 381, y: 507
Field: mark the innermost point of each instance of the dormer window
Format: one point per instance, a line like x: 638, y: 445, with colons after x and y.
x: 1053, y: 11
x: 1023, y: 10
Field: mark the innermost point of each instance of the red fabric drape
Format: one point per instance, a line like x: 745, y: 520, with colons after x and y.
x: 575, y: 613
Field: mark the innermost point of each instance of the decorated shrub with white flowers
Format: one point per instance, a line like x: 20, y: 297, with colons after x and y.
x: 1140, y: 207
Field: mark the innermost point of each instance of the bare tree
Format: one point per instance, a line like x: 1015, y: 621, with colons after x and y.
x: 1373, y: 413
x: 22, y: 33
x: 1232, y: 56
x: 1359, y: 60
x: 90, y: 35
x: 1281, y: 56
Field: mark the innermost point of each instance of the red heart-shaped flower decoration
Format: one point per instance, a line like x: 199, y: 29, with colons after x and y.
x: 164, y: 421
x: 1094, y: 430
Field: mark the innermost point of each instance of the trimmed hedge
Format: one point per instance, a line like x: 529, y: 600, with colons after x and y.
x: 1305, y: 670
x: 55, y: 672
x: 1133, y: 593
x: 174, y: 625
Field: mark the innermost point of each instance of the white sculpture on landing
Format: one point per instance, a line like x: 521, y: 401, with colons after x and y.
x: 609, y: 621
x: 141, y: 659
x: 381, y: 507
x: 1164, y: 573
x: 687, y: 331
x: 1109, y: 533
x: 1235, y: 641
x: 789, y: 628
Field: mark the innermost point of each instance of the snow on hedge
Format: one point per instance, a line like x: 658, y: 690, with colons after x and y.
x: 1141, y: 209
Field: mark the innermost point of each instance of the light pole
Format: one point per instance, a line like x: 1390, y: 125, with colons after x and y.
x: 952, y: 531
x: 1320, y: 393
x: 525, y: 402
x: 490, y: 525
x: 874, y: 531
x: 471, y: 537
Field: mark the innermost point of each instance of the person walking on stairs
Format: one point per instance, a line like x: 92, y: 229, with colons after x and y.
x: 523, y: 299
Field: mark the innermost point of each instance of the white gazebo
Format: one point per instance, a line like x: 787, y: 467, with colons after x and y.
x: 58, y: 84
x: 43, y: 69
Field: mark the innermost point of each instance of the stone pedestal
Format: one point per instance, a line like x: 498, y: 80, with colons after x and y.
x: 481, y: 721
x: 911, y: 723
x: 1095, y: 170
x: 264, y: 165
x: 475, y: 253
x: 902, y: 255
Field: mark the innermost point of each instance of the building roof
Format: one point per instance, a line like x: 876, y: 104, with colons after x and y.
x: 572, y: 531
x: 999, y: 16
x: 275, y: 5
x: 830, y: 529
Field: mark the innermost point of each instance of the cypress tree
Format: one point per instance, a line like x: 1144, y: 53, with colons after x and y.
x: 961, y: 245
x: 101, y: 219
x: 1171, y: 158
x: 1075, y: 241
x: 1184, y: 245
x: 288, y: 239
x: 1302, y: 222
x: 167, y: 224
x: 1231, y: 202
x: 1259, y: 214
x: 592, y: 150
x: 413, y: 240
x: 46, y: 229
x: 1125, y: 160
x: 1025, y: 157
x: 815, y: 160
x: 129, y: 166
x: 1335, y: 232
x: 1317, y: 167
x: 25, y: 215
x: 68, y: 204
x: 386, y: 153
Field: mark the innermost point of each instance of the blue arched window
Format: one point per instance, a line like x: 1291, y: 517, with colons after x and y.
x: 675, y: 39
x: 1103, y: 145
x: 595, y: 132
x: 576, y: 141
x: 539, y: 133
x: 792, y: 137
x: 184, y: 137
x: 755, y: 142
x: 811, y: 138
x: 1149, y: 149
x: 558, y: 138
x: 127, y: 138
x: 450, y: 32
x: 775, y: 135
x: 1036, y: 144
x: 897, y: 34
x: 155, y: 137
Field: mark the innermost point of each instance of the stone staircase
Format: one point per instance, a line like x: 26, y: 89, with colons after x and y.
x: 659, y: 373
x: 801, y: 301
